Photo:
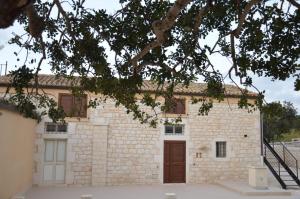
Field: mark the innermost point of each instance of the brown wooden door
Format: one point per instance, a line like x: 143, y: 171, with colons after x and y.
x: 174, y: 162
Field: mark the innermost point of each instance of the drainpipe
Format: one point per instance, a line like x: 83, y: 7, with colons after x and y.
x: 261, y: 138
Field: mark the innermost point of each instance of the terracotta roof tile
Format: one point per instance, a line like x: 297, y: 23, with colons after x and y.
x: 52, y: 81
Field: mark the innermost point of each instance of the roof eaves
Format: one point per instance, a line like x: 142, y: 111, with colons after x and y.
x: 251, y: 96
x: 8, y: 107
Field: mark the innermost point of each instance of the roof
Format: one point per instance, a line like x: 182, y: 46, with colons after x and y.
x: 52, y: 81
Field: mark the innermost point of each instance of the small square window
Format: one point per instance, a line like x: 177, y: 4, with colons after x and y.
x: 221, y: 149
x: 50, y: 127
x: 174, y: 129
x: 168, y: 129
x: 62, y: 128
x: 178, y: 129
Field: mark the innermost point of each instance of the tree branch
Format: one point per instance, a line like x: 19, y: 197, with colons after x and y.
x: 200, y: 15
x: 159, y: 28
x: 36, y: 80
x: 232, y: 48
x: 35, y: 22
x: 294, y: 3
x: 242, y: 17
x: 235, y: 33
x: 142, y: 53
x: 66, y: 18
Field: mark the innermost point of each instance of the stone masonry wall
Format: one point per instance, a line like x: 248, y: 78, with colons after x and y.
x: 86, y: 151
x: 238, y: 128
x: 82, y: 164
x: 99, y: 160
x: 110, y: 148
x: 132, y: 148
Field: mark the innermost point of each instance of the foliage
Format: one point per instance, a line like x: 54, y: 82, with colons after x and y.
x: 287, y: 137
x: 278, y: 119
x: 296, y: 124
x: 167, y: 42
x: 31, y: 104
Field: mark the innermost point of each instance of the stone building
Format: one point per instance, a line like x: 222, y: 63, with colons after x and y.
x: 105, y: 146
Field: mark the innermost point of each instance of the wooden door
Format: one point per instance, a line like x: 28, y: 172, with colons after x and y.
x: 174, y: 162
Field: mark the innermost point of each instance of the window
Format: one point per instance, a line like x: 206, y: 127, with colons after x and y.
x: 175, y: 106
x: 221, y: 149
x: 55, y: 128
x: 73, y: 106
x: 174, y: 129
x: 50, y: 127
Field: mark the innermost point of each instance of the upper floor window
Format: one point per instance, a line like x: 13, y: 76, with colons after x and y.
x: 175, y: 106
x: 73, y: 106
x: 221, y: 149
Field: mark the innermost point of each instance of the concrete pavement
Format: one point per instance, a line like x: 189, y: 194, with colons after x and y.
x: 182, y: 191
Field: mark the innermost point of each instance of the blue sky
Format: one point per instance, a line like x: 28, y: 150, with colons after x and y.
x: 275, y: 90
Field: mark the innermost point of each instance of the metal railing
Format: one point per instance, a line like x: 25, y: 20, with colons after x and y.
x: 289, y: 159
x: 281, y: 163
x: 273, y: 163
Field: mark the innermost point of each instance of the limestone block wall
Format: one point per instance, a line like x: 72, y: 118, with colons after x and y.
x: 110, y: 148
x: 85, y: 153
x: 90, y: 151
x: 238, y: 128
x: 99, y: 155
x: 134, y: 151
x: 132, y: 148
x: 82, y: 164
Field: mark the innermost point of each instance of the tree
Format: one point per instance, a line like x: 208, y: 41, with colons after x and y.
x: 164, y: 41
x: 278, y: 119
x: 296, y: 124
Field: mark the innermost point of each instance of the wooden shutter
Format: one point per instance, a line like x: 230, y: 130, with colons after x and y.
x: 169, y: 105
x: 180, y: 106
x: 73, y: 106
x: 66, y: 102
x: 80, y: 106
x: 177, y: 106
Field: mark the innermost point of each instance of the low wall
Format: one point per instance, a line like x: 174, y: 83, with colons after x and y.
x: 16, y: 152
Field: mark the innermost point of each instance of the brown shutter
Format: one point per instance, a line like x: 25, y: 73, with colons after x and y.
x: 180, y: 106
x: 173, y: 107
x: 66, y: 102
x: 177, y: 106
x: 80, y: 106
x: 84, y: 106
x: 73, y: 106
x: 170, y: 108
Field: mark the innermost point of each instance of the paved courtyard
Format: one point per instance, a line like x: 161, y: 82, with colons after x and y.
x: 145, y: 192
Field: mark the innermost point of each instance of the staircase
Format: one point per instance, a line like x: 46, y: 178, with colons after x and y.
x: 282, y: 164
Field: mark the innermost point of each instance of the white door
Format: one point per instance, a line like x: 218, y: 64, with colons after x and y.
x: 54, y: 161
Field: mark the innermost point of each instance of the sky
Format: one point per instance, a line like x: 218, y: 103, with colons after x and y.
x: 274, y: 90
